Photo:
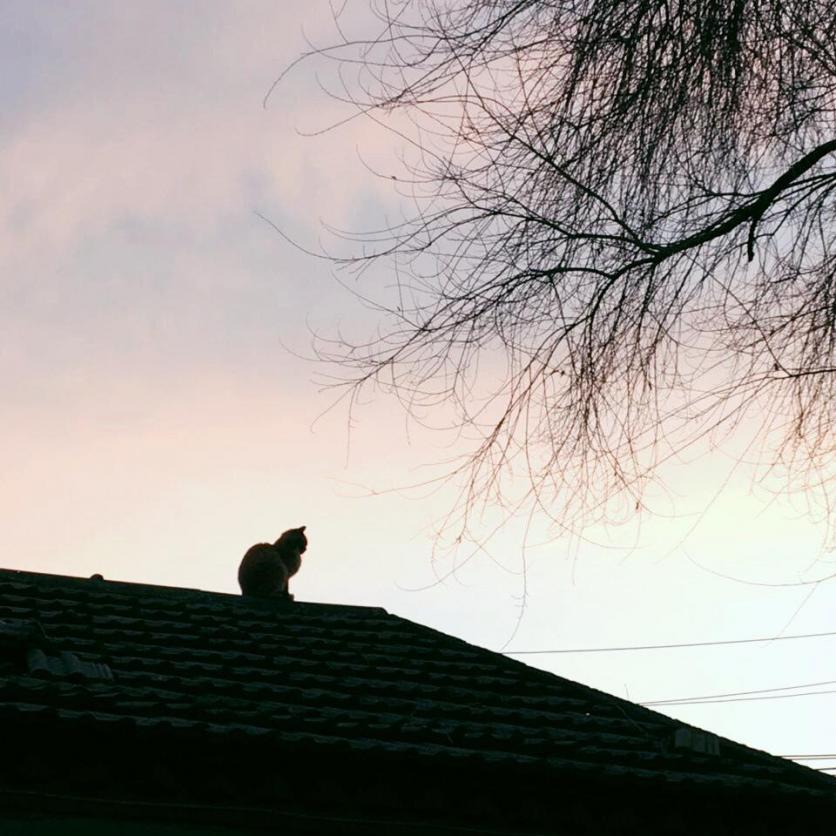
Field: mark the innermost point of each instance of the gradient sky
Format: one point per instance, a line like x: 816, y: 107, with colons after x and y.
x: 154, y: 423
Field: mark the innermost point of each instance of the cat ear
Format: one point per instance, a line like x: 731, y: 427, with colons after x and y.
x: 301, y: 528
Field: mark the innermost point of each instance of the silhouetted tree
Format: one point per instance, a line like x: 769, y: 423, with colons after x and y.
x: 626, y: 208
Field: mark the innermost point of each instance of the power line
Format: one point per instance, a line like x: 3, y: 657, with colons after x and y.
x: 728, y: 697
x: 674, y: 703
x: 667, y: 646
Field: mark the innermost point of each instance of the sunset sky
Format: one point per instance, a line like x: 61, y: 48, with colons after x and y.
x: 161, y: 410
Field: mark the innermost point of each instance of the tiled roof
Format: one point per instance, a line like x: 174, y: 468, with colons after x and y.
x: 323, y: 678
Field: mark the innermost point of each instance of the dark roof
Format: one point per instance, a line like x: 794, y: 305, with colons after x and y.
x: 306, y: 677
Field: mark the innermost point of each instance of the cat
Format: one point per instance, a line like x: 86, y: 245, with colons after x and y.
x: 266, y: 568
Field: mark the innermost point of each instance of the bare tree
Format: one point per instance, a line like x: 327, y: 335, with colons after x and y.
x: 631, y: 203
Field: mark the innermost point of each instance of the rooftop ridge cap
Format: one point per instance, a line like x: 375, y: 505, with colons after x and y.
x: 78, y: 580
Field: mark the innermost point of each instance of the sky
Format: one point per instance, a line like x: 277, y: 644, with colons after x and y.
x: 162, y: 409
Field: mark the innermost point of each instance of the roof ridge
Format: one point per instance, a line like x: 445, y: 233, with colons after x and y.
x: 99, y: 582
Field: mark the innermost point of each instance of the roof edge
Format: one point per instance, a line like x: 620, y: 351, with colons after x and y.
x: 98, y: 582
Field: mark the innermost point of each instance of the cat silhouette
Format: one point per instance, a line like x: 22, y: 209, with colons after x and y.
x: 266, y: 568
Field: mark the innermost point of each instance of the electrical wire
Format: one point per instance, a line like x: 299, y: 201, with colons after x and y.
x: 727, y: 697
x: 673, y: 646
x: 740, y: 699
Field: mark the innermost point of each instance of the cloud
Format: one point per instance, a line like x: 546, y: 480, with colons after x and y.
x: 131, y: 172
x: 144, y: 306
x: 162, y: 122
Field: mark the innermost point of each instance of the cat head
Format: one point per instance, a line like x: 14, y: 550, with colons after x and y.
x: 294, y: 538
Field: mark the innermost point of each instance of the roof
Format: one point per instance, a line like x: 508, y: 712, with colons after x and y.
x: 349, y: 681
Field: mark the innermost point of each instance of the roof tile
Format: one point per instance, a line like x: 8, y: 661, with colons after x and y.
x: 353, y: 678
